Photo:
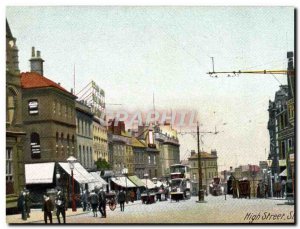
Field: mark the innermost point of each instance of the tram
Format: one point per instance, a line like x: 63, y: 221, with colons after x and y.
x: 180, y: 184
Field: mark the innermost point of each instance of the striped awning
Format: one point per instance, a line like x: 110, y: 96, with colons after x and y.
x: 137, y: 181
x: 80, y: 174
x: 123, y: 182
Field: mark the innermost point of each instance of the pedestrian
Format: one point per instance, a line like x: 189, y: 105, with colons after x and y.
x: 283, y: 183
x: 47, y: 208
x: 60, y: 202
x: 22, y: 205
x: 102, y: 203
x: 277, y: 188
x: 94, y: 202
x: 132, y: 196
x: 121, y: 199
x: 27, y: 203
x: 138, y: 194
x: 85, y: 199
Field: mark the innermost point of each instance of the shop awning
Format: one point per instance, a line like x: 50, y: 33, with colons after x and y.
x: 39, y: 173
x: 137, y: 181
x: 80, y: 174
x: 283, y: 173
x: 148, y: 183
x: 98, y: 182
x: 123, y: 182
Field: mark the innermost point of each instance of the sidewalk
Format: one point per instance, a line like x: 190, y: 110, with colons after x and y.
x: 37, y: 215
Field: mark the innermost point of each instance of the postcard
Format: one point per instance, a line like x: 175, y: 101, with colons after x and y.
x: 153, y: 115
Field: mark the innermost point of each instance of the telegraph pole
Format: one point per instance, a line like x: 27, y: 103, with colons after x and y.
x: 200, y: 191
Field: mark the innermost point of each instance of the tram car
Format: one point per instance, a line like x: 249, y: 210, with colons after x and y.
x: 180, y: 184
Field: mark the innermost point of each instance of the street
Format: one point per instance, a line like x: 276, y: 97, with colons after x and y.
x: 215, y: 210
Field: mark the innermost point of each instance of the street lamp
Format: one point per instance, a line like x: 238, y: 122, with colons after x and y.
x: 270, y: 172
x: 125, y: 172
x: 146, y: 177
x: 71, y: 160
x: 57, y: 176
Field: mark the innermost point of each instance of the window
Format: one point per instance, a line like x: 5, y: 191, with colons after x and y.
x: 59, y: 109
x: 54, y: 107
x: 35, y: 146
x: 283, y: 149
x: 9, y: 164
x: 154, y: 160
x: 149, y: 159
x: 79, y: 153
x: 33, y: 107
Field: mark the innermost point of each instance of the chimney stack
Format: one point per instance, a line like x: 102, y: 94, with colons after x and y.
x: 193, y: 153
x: 36, y: 62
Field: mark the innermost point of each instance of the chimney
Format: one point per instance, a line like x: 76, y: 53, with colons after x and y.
x: 193, y: 153
x: 213, y: 152
x: 36, y: 62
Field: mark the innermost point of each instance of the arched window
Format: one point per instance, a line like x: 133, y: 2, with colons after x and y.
x: 11, y: 105
x: 35, y: 146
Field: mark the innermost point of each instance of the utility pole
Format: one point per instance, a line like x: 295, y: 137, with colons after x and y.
x: 200, y: 187
x: 200, y: 191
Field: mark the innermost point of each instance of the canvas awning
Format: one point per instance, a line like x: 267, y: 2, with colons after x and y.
x: 80, y: 174
x: 123, y: 182
x: 137, y: 181
x: 283, y: 173
x: 148, y: 183
x: 39, y: 173
x: 98, y: 182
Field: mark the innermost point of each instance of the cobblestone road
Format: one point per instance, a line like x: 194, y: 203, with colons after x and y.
x: 215, y: 210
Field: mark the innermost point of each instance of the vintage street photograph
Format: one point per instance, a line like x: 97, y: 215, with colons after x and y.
x: 150, y: 114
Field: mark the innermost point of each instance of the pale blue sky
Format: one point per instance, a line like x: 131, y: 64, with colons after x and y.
x: 132, y: 52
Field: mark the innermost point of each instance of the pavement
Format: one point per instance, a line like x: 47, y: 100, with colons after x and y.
x: 37, y: 215
x: 214, y: 210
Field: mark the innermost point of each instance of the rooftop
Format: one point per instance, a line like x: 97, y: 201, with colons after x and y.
x: 35, y: 80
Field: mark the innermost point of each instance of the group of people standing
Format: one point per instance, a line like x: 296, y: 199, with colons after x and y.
x: 24, y: 202
x: 60, y: 205
x: 97, y: 200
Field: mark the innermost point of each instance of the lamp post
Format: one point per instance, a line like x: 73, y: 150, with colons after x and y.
x: 270, y: 172
x: 71, y: 160
x: 57, y: 176
x: 146, y: 177
x: 125, y: 173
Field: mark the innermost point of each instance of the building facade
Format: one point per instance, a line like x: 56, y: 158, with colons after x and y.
x: 209, y: 165
x: 100, y: 139
x: 49, y: 116
x: 169, y: 150
x: 84, y: 135
x: 15, y: 134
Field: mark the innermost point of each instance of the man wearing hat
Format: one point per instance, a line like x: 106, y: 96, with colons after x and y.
x: 102, y: 203
x: 60, y: 203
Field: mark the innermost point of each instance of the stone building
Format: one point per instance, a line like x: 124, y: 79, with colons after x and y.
x: 149, y: 160
x: 169, y: 149
x: 84, y: 135
x: 140, y: 157
x: 120, y: 148
x: 100, y: 139
x: 209, y: 165
x: 15, y: 135
x: 48, y: 115
x: 281, y: 126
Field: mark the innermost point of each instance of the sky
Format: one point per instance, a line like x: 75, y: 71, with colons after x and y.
x: 133, y: 52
